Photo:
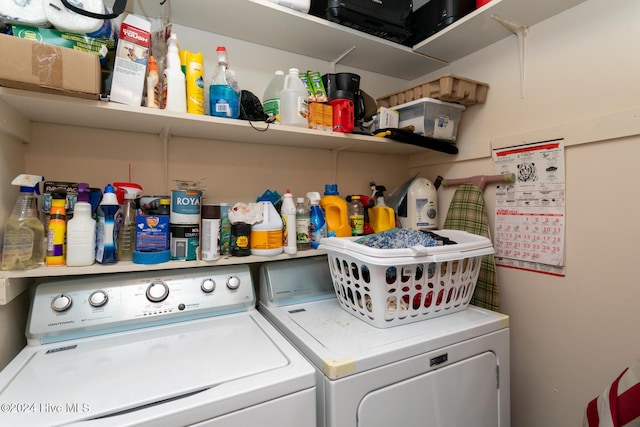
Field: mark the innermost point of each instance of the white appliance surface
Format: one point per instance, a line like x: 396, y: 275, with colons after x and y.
x: 448, y: 371
x: 229, y: 369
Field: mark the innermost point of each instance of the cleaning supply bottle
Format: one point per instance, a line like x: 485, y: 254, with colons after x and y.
x: 57, y: 229
x: 317, y: 219
x: 266, y: 235
x: 294, y: 101
x: 356, y: 216
x: 303, y: 226
x: 127, y: 230
x: 174, y: 90
x: 107, y: 232
x: 271, y: 103
x: 223, y: 100
x: 288, y: 213
x: 381, y: 216
x: 81, y: 231
x: 24, y: 235
x: 195, y: 83
x: 335, y: 210
x: 152, y: 84
x: 225, y: 230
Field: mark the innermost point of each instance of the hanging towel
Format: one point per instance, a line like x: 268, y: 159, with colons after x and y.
x: 619, y: 404
x: 467, y: 213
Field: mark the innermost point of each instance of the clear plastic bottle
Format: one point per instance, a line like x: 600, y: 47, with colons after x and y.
x: 294, y: 101
x: 127, y: 231
x: 24, y: 245
x: 356, y: 216
x: 271, y: 98
x: 303, y: 226
x: 107, y: 232
x: 174, y: 89
x: 288, y: 213
x: 223, y: 100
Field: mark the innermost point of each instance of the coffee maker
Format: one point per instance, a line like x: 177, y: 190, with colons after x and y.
x: 347, y: 86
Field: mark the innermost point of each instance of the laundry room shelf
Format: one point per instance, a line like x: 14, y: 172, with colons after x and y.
x: 13, y: 283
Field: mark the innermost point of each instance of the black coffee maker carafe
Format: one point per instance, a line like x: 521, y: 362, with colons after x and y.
x: 346, y: 85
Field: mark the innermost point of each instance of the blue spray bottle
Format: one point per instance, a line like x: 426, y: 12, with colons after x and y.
x: 318, y: 222
x: 107, y: 232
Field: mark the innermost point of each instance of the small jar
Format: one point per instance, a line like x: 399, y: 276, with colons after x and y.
x: 240, y: 235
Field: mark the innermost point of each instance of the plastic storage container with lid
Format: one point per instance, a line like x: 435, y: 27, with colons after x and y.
x: 431, y: 117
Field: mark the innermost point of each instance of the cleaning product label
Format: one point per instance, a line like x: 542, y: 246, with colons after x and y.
x: 266, y: 239
x: 184, y: 242
x: 152, y: 232
x: 185, y: 206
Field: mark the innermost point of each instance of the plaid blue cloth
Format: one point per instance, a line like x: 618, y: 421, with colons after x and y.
x: 467, y: 213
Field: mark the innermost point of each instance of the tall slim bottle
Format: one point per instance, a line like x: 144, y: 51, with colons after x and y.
x: 288, y: 212
x: 57, y: 229
x: 106, y: 235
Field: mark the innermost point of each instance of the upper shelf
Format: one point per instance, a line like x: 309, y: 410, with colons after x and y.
x: 268, y: 24
x: 65, y: 110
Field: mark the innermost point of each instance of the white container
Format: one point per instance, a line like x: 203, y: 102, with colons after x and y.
x: 271, y: 98
x: 81, y: 236
x: 174, y: 89
x: 266, y: 235
x: 422, y: 206
x: 294, y: 101
x: 431, y: 117
x: 390, y: 287
x: 288, y: 212
x: 299, y: 5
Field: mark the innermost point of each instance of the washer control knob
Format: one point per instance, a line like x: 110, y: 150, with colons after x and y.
x: 233, y: 282
x: 61, y: 302
x: 157, y: 291
x: 208, y: 285
x: 98, y: 298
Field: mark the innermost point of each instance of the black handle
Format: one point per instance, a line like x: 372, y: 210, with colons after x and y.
x: 118, y: 9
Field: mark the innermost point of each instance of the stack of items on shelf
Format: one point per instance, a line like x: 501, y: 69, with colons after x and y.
x: 78, y: 225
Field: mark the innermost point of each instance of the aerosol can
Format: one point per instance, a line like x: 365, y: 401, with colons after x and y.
x: 419, y: 208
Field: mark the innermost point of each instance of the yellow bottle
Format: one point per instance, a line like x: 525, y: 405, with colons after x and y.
x: 195, y: 83
x: 57, y: 229
x: 381, y: 216
x: 335, y: 211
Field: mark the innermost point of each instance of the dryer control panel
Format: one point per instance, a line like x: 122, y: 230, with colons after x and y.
x: 94, y: 305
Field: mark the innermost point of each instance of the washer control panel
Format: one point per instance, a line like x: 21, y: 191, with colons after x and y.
x: 91, y: 305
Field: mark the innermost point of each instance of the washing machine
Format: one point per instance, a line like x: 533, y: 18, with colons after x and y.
x: 161, y: 348
x: 448, y: 371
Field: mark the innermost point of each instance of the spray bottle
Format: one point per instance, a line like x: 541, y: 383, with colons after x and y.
x: 381, y: 216
x: 106, y: 235
x: 57, y: 229
x: 24, y: 243
x: 127, y: 232
x: 318, y: 223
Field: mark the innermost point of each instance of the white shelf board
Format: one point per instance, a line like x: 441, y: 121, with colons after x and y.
x: 65, y: 110
x: 13, y: 283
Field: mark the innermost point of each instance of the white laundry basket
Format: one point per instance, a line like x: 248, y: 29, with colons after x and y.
x: 390, y: 287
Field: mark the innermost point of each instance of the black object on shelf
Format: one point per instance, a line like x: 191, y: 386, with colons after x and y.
x: 412, y: 138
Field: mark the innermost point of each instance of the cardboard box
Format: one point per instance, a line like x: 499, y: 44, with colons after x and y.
x: 132, y: 54
x: 30, y: 65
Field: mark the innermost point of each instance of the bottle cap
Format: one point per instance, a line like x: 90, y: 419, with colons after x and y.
x: 331, y: 190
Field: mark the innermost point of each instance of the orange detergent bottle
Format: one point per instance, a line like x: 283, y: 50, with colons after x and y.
x: 335, y: 211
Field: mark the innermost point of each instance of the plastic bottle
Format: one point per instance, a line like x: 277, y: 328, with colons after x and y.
x: 271, y: 103
x: 266, y: 235
x: 81, y: 236
x: 356, y: 216
x: 318, y: 225
x: 381, y: 216
x: 127, y: 230
x: 57, y: 229
x: 174, y: 90
x: 24, y: 242
x: 288, y: 212
x: 107, y: 232
x: 223, y: 100
x: 195, y: 83
x: 335, y: 210
x: 225, y: 230
x: 152, y: 84
x: 294, y: 101
x: 303, y: 226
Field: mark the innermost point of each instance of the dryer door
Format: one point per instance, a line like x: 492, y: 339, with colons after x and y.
x: 464, y: 393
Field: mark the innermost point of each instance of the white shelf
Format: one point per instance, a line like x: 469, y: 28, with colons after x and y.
x: 13, y: 283
x: 65, y: 110
x: 268, y: 24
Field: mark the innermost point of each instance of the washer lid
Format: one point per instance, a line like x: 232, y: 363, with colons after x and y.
x: 94, y: 377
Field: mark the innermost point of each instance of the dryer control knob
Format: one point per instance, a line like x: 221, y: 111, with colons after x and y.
x: 157, y: 291
x: 233, y: 283
x: 208, y: 285
x: 61, y: 302
x: 98, y: 298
